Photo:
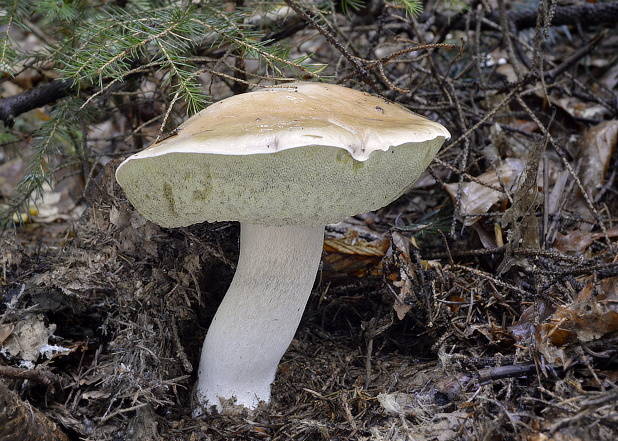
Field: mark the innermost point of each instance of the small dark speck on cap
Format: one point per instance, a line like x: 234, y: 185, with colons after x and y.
x: 379, y: 109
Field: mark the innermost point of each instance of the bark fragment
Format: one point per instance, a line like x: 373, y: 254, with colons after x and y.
x: 19, y: 421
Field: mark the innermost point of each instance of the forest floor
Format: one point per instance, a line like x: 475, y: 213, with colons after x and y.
x: 481, y: 305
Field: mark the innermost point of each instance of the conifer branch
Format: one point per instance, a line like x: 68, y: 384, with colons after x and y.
x: 10, y: 18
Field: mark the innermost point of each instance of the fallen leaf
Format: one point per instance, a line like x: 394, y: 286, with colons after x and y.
x: 597, y: 146
x: 397, y: 403
x: 579, y: 109
x: 588, y: 318
x: 401, y: 309
x: 577, y: 241
x: 352, y: 255
x: 5, y: 331
x: 477, y: 199
x: 524, y: 124
x: 525, y: 327
x: 596, y: 149
x: 29, y: 335
x: 610, y: 79
x: 401, y: 255
x: 488, y: 241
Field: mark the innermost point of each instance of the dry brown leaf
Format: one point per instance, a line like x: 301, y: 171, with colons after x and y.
x: 568, y: 326
x: 610, y: 79
x: 608, y: 289
x: 577, y: 241
x: 525, y: 327
x: 401, y: 309
x: 588, y: 318
x: 524, y: 124
x: 596, y: 149
x: 486, y: 239
x: 477, y: 198
x: 351, y: 255
x: 5, y: 331
x: 402, y: 245
x: 579, y: 109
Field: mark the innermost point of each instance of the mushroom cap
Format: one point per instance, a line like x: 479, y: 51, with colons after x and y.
x: 304, y: 153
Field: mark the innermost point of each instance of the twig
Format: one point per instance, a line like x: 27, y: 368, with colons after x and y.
x: 37, y: 375
x: 180, y: 352
x: 167, y: 114
x: 496, y: 373
x: 568, y: 166
x: 15, y: 105
x: 489, y: 277
x: 333, y: 41
x: 506, y: 100
x: 107, y: 417
x: 520, y: 251
x: 575, y: 56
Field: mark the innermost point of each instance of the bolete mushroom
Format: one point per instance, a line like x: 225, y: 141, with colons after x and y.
x: 284, y: 161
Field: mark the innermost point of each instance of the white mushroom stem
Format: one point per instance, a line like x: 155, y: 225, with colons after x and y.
x: 259, y: 315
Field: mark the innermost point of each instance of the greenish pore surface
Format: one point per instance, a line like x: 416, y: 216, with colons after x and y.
x: 312, y: 185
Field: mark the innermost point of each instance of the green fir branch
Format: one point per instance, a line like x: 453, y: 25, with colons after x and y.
x: 98, y: 46
x: 13, y: 11
x: 117, y: 40
x: 347, y: 6
x: 61, y: 134
x: 59, y: 10
x: 186, y: 85
x: 412, y: 7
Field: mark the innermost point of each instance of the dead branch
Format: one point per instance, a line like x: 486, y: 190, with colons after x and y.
x: 333, y: 41
x: 37, y: 375
x: 496, y: 373
x: 589, y: 14
x: 31, y: 99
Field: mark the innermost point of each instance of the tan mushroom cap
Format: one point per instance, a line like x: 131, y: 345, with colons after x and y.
x: 304, y: 153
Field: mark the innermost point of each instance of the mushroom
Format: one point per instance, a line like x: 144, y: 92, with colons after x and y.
x: 284, y: 161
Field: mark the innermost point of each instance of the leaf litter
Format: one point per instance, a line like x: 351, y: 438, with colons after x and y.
x: 499, y: 325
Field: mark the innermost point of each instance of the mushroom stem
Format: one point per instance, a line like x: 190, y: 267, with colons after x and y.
x: 258, y: 317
